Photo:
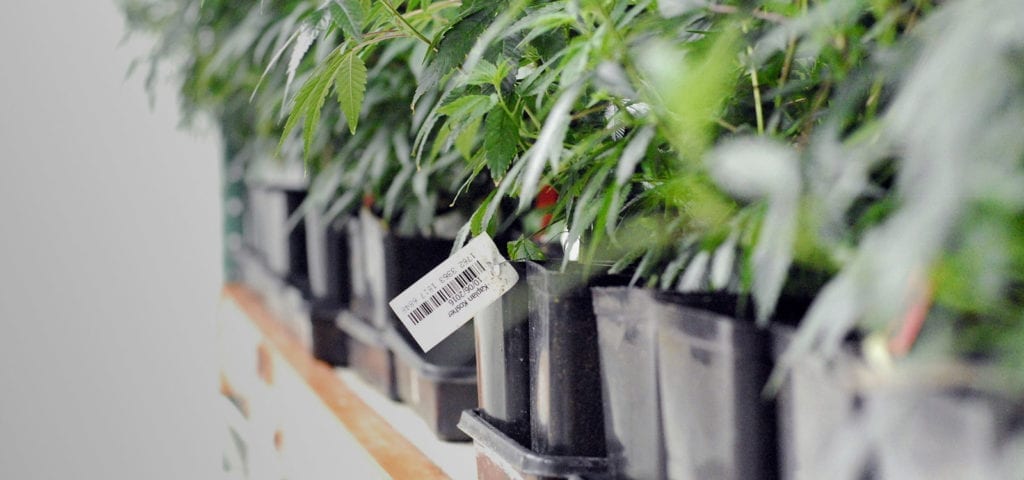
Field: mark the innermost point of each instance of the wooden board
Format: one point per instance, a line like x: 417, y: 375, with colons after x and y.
x: 389, y: 448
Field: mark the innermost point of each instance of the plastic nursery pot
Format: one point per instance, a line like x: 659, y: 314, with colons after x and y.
x: 330, y: 343
x: 298, y: 266
x: 712, y: 368
x: 328, y: 261
x: 438, y: 391
x: 627, y: 321
x: 368, y: 354
x: 815, y: 402
x: 925, y: 432
x: 327, y: 251
x: 565, y: 382
x: 503, y: 361
x: 499, y: 457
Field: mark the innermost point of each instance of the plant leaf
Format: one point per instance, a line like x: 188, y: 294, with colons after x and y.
x: 310, y: 100
x: 524, y: 249
x: 548, y: 147
x: 348, y: 16
x: 350, y: 86
x: 632, y: 154
x: 452, y: 49
x: 501, y: 139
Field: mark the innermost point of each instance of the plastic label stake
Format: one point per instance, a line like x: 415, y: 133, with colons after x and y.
x: 454, y: 292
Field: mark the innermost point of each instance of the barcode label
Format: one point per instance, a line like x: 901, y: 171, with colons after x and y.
x: 454, y: 291
x: 446, y: 292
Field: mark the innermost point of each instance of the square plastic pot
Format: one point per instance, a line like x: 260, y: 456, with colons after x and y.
x: 815, y: 402
x: 566, y: 412
x: 712, y: 368
x: 298, y: 265
x: 330, y: 343
x: 924, y: 432
x: 499, y: 457
x: 627, y: 321
x: 503, y: 361
x: 328, y: 260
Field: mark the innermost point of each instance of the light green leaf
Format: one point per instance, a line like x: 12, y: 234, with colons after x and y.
x: 348, y: 16
x: 632, y: 154
x: 467, y: 106
x: 548, y: 147
x: 501, y: 139
x: 350, y: 85
x: 310, y: 100
x: 524, y: 249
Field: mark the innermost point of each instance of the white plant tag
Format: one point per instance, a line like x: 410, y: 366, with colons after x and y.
x: 454, y: 291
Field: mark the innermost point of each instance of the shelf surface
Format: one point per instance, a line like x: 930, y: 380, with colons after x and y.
x: 394, y: 453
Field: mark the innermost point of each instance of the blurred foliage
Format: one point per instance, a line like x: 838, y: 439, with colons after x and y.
x: 862, y: 153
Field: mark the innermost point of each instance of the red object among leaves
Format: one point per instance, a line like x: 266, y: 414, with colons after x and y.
x: 546, y: 198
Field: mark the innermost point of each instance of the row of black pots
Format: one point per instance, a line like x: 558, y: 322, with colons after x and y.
x: 348, y: 269
x: 651, y: 385
x: 610, y: 382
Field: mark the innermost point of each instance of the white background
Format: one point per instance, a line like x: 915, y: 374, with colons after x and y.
x: 109, y: 259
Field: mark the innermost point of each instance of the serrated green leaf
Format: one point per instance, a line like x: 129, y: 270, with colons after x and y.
x: 452, y: 49
x: 501, y: 139
x: 348, y: 16
x: 467, y: 106
x: 476, y: 224
x: 466, y: 139
x: 310, y: 100
x: 350, y: 85
x: 524, y: 249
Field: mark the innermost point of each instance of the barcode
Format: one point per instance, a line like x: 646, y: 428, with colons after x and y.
x: 450, y: 289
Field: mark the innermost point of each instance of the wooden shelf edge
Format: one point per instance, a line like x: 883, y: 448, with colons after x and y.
x: 389, y: 448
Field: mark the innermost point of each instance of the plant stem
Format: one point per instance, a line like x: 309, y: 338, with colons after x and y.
x: 757, y: 93
x: 759, y: 14
x: 416, y: 33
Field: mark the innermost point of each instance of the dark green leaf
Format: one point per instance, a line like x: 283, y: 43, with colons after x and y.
x: 452, y: 49
x: 501, y: 139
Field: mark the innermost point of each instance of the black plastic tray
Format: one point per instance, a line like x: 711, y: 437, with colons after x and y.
x: 437, y: 393
x: 496, y: 454
x: 368, y: 354
x: 330, y: 343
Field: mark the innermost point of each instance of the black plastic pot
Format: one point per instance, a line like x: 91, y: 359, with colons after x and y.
x: 566, y: 413
x: 503, y: 361
x: 437, y: 392
x: 298, y: 266
x: 923, y: 432
x: 712, y: 368
x: 499, y: 457
x: 814, y: 403
x: 369, y: 355
x: 627, y: 321
x: 328, y: 261
x: 330, y: 287
x: 330, y: 343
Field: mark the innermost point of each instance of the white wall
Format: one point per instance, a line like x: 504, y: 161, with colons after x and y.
x: 109, y: 259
